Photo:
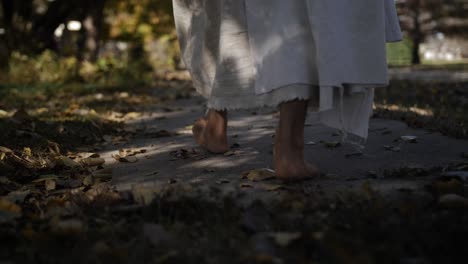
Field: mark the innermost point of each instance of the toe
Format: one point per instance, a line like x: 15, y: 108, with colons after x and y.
x: 198, y: 129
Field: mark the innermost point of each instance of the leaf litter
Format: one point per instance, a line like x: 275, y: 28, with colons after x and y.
x: 175, y: 223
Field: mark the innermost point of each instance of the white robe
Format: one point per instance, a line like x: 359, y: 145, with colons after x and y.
x: 253, y: 53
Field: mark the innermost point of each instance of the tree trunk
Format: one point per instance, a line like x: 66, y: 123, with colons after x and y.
x: 44, y: 26
x: 417, y: 37
x: 415, y: 53
x: 4, y: 57
x: 92, y: 25
x: 7, y: 15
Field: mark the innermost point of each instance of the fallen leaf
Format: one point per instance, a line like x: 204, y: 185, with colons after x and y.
x: 93, y: 162
x: 230, y: 153
x: 4, y: 113
x: 88, y: 180
x: 259, y: 175
x: 130, y: 159
x: 152, y: 173
x: 445, y: 185
x: 107, y: 138
x: 8, y: 210
x: 124, y: 95
x: 392, y: 148
x: 223, y: 181
x: 17, y: 196
x: 46, y: 177
x: 332, y: 144
x: 272, y: 187
x: 411, y: 139
x: 172, y: 181
x: 144, y: 195
x: 132, y: 115
x: 102, y: 176
x: 453, y: 201
x: 131, y: 152
x: 50, y: 184
x: 285, y: 239
x: 67, y: 162
x: 27, y: 152
x: 131, y: 130
x: 185, y: 154
x: 6, y: 150
x: 463, y: 175
x: 68, y: 227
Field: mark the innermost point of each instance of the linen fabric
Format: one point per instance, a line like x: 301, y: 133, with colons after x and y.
x: 253, y: 53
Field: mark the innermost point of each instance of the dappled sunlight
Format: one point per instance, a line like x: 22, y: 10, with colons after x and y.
x: 222, y: 162
x: 435, y: 105
x: 256, y: 134
x: 399, y: 108
x: 98, y: 163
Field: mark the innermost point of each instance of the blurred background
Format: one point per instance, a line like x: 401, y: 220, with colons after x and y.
x: 51, y: 44
x: 121, y: 41
x: 93, y: 93
x: 99, y: 41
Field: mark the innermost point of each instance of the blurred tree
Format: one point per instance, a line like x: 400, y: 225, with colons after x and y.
x: 92, y: 23
x: 142, y: 24
x: 139, y: 33
x: 30, y: 24
x: 421, y: 18
x: 5, y: 22
x: 139, y: 21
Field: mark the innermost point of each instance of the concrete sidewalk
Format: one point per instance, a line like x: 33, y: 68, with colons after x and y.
x: 177, y: 159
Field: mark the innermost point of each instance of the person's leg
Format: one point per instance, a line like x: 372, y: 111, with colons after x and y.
x: 289, y: 143
x: 210, y: 132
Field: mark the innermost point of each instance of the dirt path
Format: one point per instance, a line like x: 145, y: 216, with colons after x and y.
x: 158, y: 198
x: 177, y: 158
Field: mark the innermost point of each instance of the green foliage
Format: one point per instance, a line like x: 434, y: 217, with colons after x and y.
x: 399, y: 53
x: 49, y: 68
x: 46, y: 68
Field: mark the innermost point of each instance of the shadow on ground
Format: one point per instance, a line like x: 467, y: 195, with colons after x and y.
x: 152, y: 196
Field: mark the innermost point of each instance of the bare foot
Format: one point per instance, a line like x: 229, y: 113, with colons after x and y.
x: 289, y: 161
x: 293, y: 168
x: 210, y: 132
x: 198, y: 130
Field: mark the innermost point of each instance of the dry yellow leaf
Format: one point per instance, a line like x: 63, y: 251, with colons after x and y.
x: 50, y: 184
x: 93, y: 162
x: 284, y: 239
x: 259, y: 175
x: 67, y: 162
x: 27, y: 152
x: 9, y: 207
